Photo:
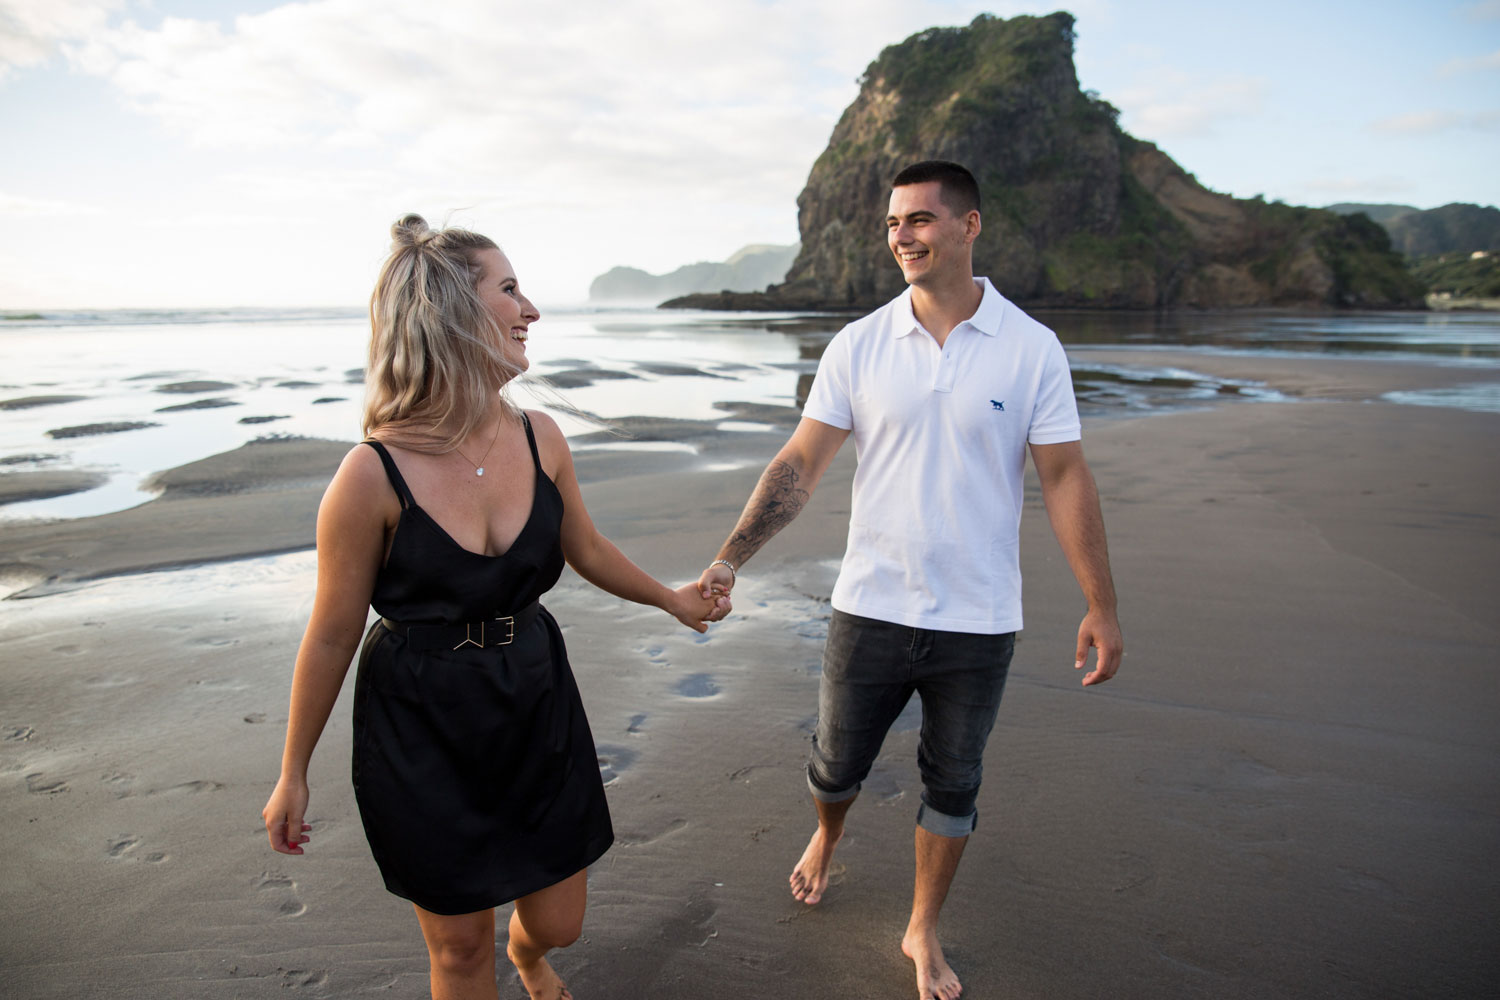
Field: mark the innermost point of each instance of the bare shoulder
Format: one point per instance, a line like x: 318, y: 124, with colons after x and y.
x: 360, y: 487
x: 544, y: 426
x: 551, y: 443
x: 361, y: 468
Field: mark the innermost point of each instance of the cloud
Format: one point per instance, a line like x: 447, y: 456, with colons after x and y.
x: 710, y: 104
x: 1175, y: 105
x: 1428, y: 123
x: 355, y: 73
x: 15, y: 206
x: 316, y: 185
x: 30, y: 30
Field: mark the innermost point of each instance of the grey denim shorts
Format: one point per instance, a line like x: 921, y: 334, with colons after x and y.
x: 870, y: 669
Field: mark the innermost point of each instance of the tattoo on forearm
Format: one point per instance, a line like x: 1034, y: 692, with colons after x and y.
x: 777, y: 500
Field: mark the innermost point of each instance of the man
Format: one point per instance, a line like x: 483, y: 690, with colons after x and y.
x: 944, y: 389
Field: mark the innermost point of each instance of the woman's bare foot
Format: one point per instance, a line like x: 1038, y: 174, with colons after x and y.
x: 540, y: 980
x: 810, y: 878
x: 935, y: 980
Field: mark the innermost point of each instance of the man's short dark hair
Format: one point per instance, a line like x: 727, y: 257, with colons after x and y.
x: 960, y: 192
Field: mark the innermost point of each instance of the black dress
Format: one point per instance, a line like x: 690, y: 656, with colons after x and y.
x: 474, y: 769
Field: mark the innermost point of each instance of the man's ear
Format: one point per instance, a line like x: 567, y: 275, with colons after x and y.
x: 971, y: 226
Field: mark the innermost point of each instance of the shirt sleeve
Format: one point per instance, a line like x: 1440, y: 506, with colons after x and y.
x: 829, y: 401
x: 1054, y: 420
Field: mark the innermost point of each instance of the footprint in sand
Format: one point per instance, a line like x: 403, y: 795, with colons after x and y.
x: 20, y: 734
x: 38, y: 783
x: 882, y: 786
x: 637, y: 723
x: 693, y: 926
x: 67, y: 649
x: 119, y: 782
x: 656, y: 656
x: 255, y: 717
x: 121, y: 846
x: 215, y: 641
x: 296, y: 979
x: 613, y: 760
x: 189, y: 788
x: 279, y: 894
x: 109, y: 681
x: 123, y: 783
x: 697, y: 686
x: 640, y: 838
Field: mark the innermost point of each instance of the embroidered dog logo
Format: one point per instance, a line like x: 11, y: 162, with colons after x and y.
x: 998, y: 404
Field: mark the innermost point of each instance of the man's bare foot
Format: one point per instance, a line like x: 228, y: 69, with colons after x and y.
x: 935, y: 980
x: 541, y: 982
x: 810, y: 878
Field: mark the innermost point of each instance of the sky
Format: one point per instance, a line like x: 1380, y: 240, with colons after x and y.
x: 207, y: 153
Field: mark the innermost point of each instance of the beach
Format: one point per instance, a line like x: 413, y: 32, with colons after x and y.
x: 1291, y: 789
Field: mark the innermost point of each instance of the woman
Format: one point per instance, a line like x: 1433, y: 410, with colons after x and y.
x: 474, y: 768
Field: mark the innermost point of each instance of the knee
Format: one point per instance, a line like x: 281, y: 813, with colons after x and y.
x: 951, y: 784
x: 462, y: 955
x: 557, y: 932
x: 833, y: 775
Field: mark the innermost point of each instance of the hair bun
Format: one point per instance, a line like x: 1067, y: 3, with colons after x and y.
x: 410, y: 230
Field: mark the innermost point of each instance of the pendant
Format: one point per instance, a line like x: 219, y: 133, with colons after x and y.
x: 479, y: 471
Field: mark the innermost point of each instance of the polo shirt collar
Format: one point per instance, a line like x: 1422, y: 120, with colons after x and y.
x: 986, y: 318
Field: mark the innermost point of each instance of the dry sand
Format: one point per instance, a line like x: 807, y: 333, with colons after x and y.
x: 1289, y: 791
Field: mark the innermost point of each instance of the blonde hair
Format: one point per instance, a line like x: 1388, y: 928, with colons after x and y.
x: 435, y: 364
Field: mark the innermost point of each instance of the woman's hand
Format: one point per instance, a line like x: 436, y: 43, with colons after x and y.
x: 283, y: 815
x: 694, y: 610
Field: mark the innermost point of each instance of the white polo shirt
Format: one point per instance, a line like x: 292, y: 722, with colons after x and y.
x: 941, y: 436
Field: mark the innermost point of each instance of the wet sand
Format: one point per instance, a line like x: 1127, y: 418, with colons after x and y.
x: 1290, y: 790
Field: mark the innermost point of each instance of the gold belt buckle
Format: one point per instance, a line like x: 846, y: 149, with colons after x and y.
x: 469, y: 636
x: 508, y: 621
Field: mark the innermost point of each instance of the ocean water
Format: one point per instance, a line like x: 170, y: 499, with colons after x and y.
x: 193, y: 383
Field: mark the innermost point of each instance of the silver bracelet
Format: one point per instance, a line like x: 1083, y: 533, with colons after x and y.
x: 733, y: 576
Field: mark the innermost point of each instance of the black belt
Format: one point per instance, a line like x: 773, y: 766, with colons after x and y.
x: 492, y: 632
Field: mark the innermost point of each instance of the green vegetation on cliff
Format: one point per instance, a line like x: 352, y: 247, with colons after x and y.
x: 1460, y: 275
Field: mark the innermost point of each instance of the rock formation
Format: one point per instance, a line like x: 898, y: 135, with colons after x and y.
x: 1075, y: 211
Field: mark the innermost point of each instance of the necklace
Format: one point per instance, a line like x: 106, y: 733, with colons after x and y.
x: 478, y: 468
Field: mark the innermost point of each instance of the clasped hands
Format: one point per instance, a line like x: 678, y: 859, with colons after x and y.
x: 705, y: 601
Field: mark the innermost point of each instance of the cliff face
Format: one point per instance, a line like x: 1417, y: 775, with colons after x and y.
x: 1075, y: 212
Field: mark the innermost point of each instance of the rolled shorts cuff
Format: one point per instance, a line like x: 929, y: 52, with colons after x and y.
x: 825, y: 796
x: 943, y: 825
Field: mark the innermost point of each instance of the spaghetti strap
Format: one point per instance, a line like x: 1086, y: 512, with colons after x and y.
x: 531, y: 440
x: 403, y: 493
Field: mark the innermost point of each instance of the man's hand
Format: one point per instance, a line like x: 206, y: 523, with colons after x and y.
x: 1100, y: 630
x: 716, y: 581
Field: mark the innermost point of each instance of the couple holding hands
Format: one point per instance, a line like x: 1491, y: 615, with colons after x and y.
x: 473, y: 765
